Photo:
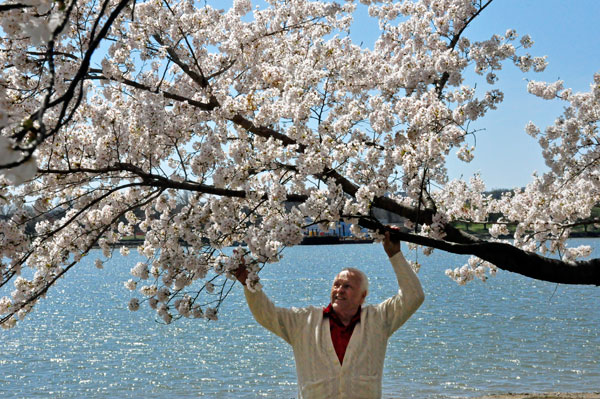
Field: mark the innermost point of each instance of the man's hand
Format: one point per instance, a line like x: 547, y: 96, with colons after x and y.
x: 241, y: 273
x: 391, y: 247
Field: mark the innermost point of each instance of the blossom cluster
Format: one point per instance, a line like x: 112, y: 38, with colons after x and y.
x: 200, y: 128
x: 474, y: 268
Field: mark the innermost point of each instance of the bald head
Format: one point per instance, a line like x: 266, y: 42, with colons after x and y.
x: 364, y: 281
x: 348, y: 293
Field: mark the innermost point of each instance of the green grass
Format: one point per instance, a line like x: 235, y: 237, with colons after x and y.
x: 482, y: 229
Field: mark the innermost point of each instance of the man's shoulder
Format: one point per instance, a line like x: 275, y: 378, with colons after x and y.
x: 311, y: 314
x: 376, y: 309
x: 307, y: 309
x: 369, y: 308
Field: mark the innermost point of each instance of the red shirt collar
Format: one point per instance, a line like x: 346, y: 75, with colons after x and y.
x: 329, y: 312
x: 340, y: 334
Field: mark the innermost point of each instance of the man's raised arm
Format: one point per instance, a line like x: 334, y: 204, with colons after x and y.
x: 410, y: 294
x: 280, y: 321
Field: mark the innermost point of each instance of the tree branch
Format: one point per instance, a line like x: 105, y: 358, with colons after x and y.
x: 506, y: 257
x: 153, y: 180
x: 441, y: 83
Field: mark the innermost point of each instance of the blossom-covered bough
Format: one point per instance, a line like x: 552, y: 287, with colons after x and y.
x: 198, y: 128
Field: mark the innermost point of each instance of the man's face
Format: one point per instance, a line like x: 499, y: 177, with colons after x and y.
x: 346, y: 293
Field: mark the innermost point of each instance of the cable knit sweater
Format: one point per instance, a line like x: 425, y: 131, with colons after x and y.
x: 320, y: 374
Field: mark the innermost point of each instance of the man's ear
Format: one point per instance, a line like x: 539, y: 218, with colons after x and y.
x: 364, y: 295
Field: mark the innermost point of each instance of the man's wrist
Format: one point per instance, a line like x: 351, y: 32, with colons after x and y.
x: 392, y: 253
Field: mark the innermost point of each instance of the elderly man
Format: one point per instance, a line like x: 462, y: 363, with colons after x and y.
x: 339, y: 350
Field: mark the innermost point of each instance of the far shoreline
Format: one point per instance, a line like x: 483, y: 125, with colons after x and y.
x: 337, y: 240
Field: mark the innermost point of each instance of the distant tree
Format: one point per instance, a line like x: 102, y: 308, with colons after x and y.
x: 117, y: 108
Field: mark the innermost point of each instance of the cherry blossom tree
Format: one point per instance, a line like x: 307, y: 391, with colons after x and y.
x: 270, y: 120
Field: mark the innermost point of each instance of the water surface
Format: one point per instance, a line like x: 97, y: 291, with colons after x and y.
x: 510, y: 334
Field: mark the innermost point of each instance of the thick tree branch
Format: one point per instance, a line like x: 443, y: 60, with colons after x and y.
x: 158, y: 181
x: 171, y: 96
x: 506, y: 257
x: 8, y: 7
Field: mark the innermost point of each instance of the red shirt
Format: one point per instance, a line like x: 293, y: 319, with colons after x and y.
x: 340, y: 334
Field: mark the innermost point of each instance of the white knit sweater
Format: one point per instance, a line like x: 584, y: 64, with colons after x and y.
x: 320, y: 375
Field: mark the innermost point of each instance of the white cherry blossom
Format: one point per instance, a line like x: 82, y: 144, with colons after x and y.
x: 198, y: 128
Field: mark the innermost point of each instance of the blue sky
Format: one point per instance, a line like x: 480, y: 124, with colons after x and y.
x: 568, y: 33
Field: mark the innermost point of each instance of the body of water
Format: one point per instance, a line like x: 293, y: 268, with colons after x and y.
x: 510, y: 334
